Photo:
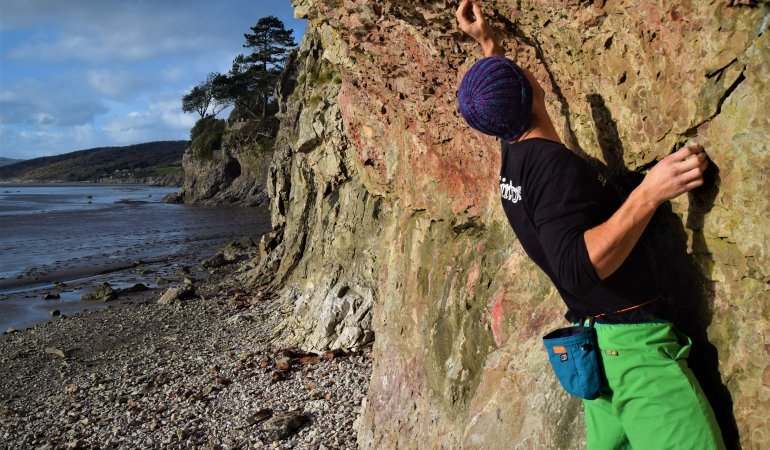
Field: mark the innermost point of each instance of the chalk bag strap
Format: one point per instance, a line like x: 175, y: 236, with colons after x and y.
x: 591, y: 321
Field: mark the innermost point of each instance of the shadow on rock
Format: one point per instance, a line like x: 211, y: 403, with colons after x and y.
x: 683, y: 275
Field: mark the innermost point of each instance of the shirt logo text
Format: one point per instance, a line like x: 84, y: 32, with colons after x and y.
x: 509, y: 192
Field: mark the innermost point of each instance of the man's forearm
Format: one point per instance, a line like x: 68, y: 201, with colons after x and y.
x: 492, y: 48
x: 610, y: 243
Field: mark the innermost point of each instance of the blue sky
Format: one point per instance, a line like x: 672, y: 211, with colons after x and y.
x: 78, y: 74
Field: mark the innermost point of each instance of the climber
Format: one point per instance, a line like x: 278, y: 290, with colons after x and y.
x: 580, y: 232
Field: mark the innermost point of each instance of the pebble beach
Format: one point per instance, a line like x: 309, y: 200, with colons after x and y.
x: 170, y: 351
x: 194, y: 373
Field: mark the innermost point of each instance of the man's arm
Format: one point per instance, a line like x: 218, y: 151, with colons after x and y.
x: 473, y: 23
x: 610, y: 243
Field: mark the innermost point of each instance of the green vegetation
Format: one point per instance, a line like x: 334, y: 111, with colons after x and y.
x: 201, y: 99
x: 251, y: 81
x: 206, y: 136
x: 313, y: 101
x: 248, y: 87
x: 98, y: 163
x: 165, y: 170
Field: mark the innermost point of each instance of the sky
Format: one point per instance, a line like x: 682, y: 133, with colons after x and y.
x: 79, y: 74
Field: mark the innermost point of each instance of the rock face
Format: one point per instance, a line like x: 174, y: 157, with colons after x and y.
x: 234, y: 175
x: 388, y: 222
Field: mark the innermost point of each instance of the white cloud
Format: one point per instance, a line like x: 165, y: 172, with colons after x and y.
x: 162, y: 120
x: 123, y: 85
x: 73, y: 71
x: 47, y: 104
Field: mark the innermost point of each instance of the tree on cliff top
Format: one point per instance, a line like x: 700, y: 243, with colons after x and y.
x: 201, y: 98
x: 250, y: 82
x: 270, y: 43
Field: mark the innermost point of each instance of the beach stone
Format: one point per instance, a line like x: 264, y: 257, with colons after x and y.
x: 285, y: 424
x: 103, y: 293
x: 51, y: 296
x: 55, y: 312
x: 138, y: 287
x: 283, y: 362
x: 218, y: 260
x: 10, y: 330
x: 56, y: 351
x: 246, y: 242
x: 259, y: 416
x: 177, y: 294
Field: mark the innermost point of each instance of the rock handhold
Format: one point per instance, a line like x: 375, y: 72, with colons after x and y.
x: 103, y: 293
x: 284, y: 425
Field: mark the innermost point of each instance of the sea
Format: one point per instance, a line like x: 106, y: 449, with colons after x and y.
x: 79, y: 233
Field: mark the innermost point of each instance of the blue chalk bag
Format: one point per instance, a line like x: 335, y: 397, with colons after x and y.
x: 574, y: 356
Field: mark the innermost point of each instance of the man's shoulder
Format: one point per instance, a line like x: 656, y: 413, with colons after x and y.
x: 545, y: 156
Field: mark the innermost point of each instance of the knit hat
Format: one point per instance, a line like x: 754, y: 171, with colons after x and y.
x: 495, y: 98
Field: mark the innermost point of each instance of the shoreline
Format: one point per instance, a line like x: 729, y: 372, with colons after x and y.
x: 72, y: 282
x: 201, y: 372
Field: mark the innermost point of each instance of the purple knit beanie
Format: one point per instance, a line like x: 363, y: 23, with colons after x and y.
x: 495, y: 98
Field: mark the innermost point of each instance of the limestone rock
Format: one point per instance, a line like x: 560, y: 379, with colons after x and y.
x: 285, y: 424
x: 103, y: 293
x: 177, y: 294
x: 377, y: 186
x: 218, y: 260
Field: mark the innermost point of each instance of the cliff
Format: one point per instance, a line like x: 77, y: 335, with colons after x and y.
x: 235, y: 174
x: 388, y: 222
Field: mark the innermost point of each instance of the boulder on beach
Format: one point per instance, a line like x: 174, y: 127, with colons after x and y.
x: 138, y: 287
x: 177, y: 294
x: 217, y: 260
x: 103, y: 293
x: 284, y: 425
x: 52, y: 296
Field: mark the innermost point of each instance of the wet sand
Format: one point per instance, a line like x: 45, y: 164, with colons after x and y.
x: 69, y: 239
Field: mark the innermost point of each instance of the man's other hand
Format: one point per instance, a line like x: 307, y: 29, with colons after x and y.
x: 473, y: 23
x: 680, y: 172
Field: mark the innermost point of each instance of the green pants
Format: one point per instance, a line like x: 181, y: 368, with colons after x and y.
x: 652, y: 400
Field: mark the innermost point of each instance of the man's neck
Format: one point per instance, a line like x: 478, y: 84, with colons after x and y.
x: 541, y: 127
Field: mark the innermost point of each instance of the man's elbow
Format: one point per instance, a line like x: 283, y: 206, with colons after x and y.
x: 577, y: 281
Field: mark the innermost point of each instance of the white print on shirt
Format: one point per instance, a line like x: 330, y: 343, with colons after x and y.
x: 509, y: 192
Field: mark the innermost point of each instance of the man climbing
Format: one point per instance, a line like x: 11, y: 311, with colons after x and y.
x: 583, y: 236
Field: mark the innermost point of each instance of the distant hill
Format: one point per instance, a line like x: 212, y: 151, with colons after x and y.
x: 134, y: 161
x: 8, y: 161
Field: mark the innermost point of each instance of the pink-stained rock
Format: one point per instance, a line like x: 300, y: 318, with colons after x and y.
x: 389, y: 227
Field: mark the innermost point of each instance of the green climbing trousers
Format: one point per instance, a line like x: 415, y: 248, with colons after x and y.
x: 652, y: 400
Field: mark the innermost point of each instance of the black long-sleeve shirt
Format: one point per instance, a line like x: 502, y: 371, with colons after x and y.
x: 551, y: 197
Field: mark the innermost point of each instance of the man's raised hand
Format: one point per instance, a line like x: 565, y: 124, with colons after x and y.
x: 473, y: 23
x: 679, y: 172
